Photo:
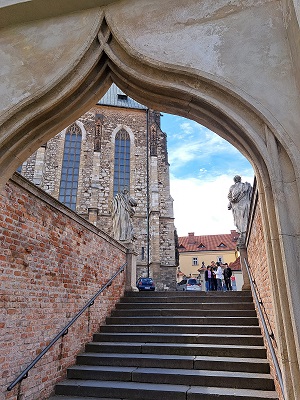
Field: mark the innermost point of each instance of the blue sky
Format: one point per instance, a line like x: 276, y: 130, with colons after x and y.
x: 202, y: 167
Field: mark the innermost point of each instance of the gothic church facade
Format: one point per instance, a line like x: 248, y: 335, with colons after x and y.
x: 115, y: 145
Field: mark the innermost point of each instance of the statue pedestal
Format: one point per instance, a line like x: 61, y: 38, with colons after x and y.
x: 130, y: 280
x: 243, y: 255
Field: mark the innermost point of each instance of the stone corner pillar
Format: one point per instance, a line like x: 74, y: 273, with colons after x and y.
x: 243, y: 255
x: 130, y: 279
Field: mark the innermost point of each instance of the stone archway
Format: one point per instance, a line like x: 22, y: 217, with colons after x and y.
x: 107, y: 56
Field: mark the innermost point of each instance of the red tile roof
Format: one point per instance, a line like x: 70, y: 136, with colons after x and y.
x: 236, y: 265
x: 222, y: 242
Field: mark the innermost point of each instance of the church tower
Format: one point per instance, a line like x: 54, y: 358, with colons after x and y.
x: 116, y: 144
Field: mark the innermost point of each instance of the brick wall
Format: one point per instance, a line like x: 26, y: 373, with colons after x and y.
x: 51, y: 263
x: 257, y: 260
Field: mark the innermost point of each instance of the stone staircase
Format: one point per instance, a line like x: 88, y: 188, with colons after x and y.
x: 174, y: 346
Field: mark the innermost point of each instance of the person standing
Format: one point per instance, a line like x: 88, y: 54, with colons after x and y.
x: 208, y: 279
x: 213, y: 269
x: 219, y: 277
x: 227, y: 277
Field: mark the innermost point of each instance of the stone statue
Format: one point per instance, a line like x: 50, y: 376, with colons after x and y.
x: 239, y: 202
x: 122, y: 213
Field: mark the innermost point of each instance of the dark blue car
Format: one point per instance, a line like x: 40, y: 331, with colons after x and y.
x: 145, y: 284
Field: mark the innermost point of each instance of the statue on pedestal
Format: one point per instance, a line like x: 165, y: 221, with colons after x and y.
x: 122, y: 213
x: 239, y: 202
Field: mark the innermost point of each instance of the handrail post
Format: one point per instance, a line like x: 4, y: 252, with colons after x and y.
x: 266, y: 331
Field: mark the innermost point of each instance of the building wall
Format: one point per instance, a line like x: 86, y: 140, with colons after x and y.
x: 52, y: 262
x: 186, y: 259
x: 99, y: 127
x: 187, y: 268
x: 258, y: 263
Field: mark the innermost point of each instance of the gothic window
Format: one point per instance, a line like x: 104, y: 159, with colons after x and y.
x: 70, y: 167
x: 122, y: 161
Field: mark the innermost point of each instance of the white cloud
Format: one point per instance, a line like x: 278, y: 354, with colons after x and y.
x: 201, y: 206
x: 195, y: 142
x: 184, y: 153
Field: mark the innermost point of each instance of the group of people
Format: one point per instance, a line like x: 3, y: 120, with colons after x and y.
x: 217, y: 278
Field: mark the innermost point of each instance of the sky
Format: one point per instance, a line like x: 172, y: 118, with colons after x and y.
x: 202, y: 167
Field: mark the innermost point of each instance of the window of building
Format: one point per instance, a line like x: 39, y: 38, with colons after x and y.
x: 143, y: 253
x: 122, y: 97
x: 222, y: 245
x: 122, y: 161
x: 201, y: 246
x: 220, y: 259
x: 70, y: 167
x: 195, y: 260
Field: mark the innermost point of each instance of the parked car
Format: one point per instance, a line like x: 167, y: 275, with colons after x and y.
x: 145, y: 284
x: 189, y: 284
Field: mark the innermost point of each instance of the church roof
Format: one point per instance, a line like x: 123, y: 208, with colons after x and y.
x: 115, y: 97
x: 221, y: 242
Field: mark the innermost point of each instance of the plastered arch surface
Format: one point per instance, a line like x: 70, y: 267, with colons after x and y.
x: 219, y: 63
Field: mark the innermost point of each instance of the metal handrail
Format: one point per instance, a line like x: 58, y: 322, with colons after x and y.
x: 65, y: 330
x: 267, y: 334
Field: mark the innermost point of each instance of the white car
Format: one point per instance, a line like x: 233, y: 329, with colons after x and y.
x: 189, y: 284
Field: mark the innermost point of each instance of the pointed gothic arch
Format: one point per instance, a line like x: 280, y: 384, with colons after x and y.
x: 212, y: 102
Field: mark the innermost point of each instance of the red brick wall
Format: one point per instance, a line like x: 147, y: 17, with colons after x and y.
x: 257, y: 260
x: 51, y: 263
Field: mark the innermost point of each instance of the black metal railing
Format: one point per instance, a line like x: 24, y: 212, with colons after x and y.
x: 268, y: 335
x: 65, y: 330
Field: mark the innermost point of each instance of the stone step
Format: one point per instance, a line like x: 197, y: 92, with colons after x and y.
x: 259, y: 365
x: 179, y: 349
x: 186, y: 305
x: 183, y: 320
x: 174, y: 345
x: 186, y: 298
x: 181, y: 329
x: 154, y: 312
x: 81, y: 398
x: 181, y: 295
x: 174, y: 376
x: 148, y: 391
x: 255, y: 340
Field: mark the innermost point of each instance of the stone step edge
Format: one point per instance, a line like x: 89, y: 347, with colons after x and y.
x: 196, y: 345
x: 175, y: 356
x: 174, y: 371
x: 169, y: 388
x: 162, y: 334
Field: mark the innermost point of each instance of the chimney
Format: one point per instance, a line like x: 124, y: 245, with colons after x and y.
x: 234, y: 235
x: 191, y: 238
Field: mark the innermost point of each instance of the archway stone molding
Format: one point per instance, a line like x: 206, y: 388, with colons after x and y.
x: 210, y: 100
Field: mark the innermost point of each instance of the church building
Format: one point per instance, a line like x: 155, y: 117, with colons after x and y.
x: 116, y: 145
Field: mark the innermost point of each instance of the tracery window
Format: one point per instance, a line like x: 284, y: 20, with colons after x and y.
x: 122, y: 161
x: 70, y: 167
